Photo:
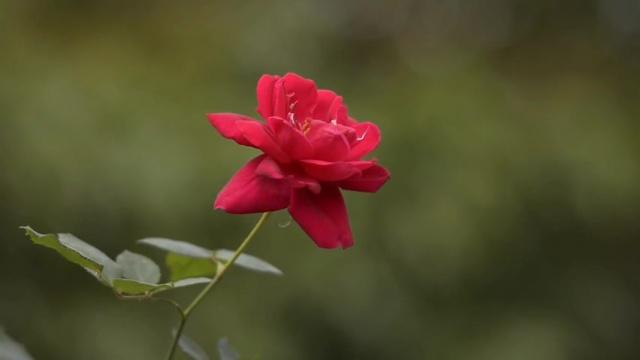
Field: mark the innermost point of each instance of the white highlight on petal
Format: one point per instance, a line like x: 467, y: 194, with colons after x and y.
x: 292, y: 119
x: 364, y: 134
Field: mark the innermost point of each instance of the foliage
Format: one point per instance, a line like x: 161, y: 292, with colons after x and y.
x: 11, y: 349
x: 135, y: 275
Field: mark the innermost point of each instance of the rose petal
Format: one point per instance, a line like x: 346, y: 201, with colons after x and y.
x: 329, y: 142
x: 265, y: 95
x: 367, y: 139
x: 247, y: 192
x: 322, y: 216
x: 225, y: 123
x: 348, y: 132
x: 249, y: 132
x: 369, y: 180
x: 327, y: 105
x: 329, y: 171
x: 342, y: 117
x: 272, y: 100
x: 260, y: 137
x: 270, y: 168
x: 290, y: 139
x: 299, y: 182
x: 301, y: 95
x: 280, y: 100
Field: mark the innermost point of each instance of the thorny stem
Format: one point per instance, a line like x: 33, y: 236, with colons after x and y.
x: 184, y: 314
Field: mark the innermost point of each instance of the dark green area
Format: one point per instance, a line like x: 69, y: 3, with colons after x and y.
x: 510, y: 228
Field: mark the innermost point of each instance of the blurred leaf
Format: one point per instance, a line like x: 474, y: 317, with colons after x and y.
x: 248, y: 262
x: 226, y: 351
x: 10, y: 349
x: 81, y: 254
x: 131, y: 287
x: 138, y: 267
x: 191, y: 348
x: 135, y: 288
x: 191, y: 281
x: 78, y: 252
x: 182, y: 267
x: 178, y: 247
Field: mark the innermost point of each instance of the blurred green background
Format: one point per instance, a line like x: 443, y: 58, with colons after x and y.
x: 510, y: 228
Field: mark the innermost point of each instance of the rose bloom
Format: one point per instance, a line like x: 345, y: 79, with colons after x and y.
x: 311, y: 149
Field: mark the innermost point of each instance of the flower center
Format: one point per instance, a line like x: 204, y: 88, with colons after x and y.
x: 305, y: 126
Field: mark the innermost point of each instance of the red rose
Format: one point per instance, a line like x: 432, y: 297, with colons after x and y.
x: 312, y: 149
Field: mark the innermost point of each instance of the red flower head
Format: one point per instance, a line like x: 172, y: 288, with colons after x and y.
x: 312, y: 149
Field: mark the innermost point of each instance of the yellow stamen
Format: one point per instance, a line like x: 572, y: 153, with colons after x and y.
x: 306, y: 127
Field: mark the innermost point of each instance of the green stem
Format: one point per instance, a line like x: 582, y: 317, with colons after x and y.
x: 176, y: 336
x: 185, y: 313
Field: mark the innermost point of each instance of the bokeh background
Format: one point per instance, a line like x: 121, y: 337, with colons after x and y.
x: 510, y: 228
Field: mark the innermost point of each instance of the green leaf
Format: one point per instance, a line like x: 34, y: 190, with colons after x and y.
x: 191, y: 281
x: 226, y: 351
x: 78, y: 252
x: 138, y: 267
x: 130, y: 287
x: 248, y: 262
x: 191, y: 348
x: 182, y: 267
x: 137, y: 288
x: 178, y: 247
x: 10, y: 349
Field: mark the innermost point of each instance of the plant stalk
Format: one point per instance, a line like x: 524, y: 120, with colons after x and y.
x: 184, y: 314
